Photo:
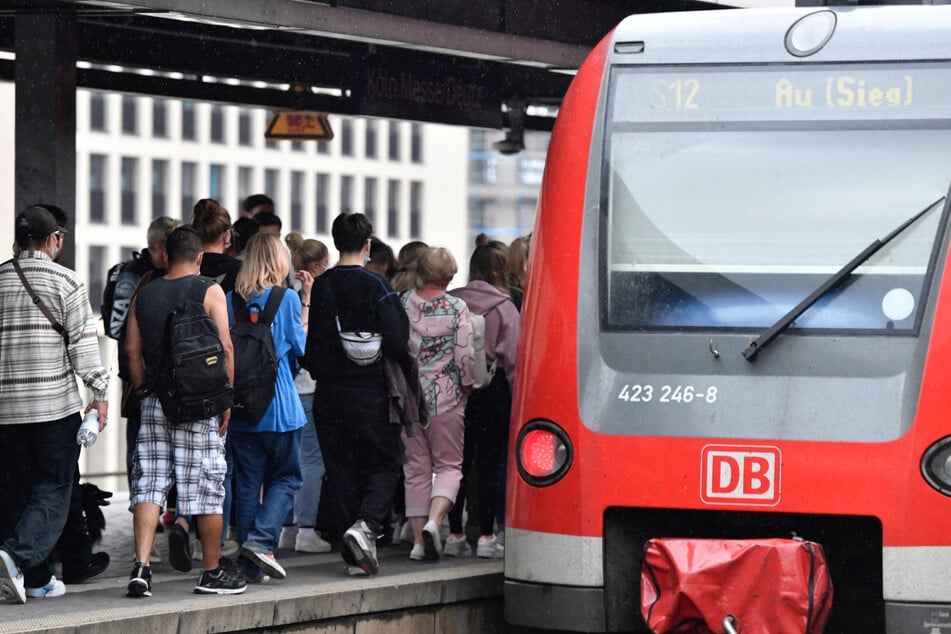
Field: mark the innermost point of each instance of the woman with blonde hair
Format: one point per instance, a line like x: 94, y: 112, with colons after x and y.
x: 310, y: 258
x: 405, y: 278
x: 441, y: 340
x: 268, y: 452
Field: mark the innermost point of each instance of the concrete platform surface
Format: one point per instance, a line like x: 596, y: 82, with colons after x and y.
x: 317, y: 588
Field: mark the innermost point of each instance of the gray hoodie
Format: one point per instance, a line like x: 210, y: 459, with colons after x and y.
x: 501, y: 322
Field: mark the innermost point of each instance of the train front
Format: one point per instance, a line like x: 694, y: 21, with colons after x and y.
x: 737, y: 323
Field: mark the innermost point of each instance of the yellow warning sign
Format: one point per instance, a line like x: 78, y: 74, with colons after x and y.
x: 299, y: 126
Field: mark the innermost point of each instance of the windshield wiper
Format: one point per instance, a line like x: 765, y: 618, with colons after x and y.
x: 786, y: 320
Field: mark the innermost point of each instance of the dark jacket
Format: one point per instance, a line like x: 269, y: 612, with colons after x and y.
x: 363, y: 301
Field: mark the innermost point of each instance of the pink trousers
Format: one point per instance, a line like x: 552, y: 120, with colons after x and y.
x: 434, y: 450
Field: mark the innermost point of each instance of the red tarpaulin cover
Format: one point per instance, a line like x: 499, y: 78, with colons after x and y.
x: 768, y: 585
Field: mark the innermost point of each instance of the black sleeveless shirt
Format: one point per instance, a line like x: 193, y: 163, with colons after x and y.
x: 154, y: 303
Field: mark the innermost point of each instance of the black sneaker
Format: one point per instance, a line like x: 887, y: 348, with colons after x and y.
x: 219, y: 582
x: 140, y: 581
x: 97, y: 565
x: 179, y: 548
x: 229, y: 566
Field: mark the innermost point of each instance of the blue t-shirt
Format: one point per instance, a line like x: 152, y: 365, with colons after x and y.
x: 285, y: 412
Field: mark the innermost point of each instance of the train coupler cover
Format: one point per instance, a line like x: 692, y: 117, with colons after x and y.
x: 762, y: 585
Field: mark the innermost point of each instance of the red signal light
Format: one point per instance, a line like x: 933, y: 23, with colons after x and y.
x: 542, y: 454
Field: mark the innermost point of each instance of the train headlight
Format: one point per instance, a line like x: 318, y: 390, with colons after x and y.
x: 543, y: 453
x: 936, y: 465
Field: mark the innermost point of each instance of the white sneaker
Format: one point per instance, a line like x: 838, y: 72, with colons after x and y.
x: 197, y: 553
x: 500, y: 536
x: 431, y: 540
x: 11, y: 579
x: 288, y: 537
x: 362, y: 543
x: 406, y: 533
x: 489, y: 548
x: 53, y: 588
x: 457, y: 547
x: 418, y: 553
x: 309, y: 541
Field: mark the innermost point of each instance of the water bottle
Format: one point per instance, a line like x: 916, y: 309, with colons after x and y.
x: 89, y: 430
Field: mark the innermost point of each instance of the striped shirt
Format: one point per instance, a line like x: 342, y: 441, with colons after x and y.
x: 36, y: 369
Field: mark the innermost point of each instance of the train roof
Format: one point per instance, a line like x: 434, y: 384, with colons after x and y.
x: 869, y: 33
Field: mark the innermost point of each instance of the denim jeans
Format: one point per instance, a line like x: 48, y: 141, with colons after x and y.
x: 227, y: 512
x: 41, y: 459
x: 270, y: 460
x: 311, y: 468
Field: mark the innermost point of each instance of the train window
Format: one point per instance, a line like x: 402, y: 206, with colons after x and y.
x: 729, y: 223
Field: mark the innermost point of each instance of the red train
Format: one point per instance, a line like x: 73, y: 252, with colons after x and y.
x: 737, y: 324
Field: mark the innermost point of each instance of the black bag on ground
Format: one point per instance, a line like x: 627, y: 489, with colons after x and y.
x: 194, y: 381
x: 255, y: 356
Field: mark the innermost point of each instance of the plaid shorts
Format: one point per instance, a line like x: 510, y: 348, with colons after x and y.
x: 191, y: 455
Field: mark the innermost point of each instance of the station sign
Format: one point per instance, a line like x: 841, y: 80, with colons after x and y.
x: 424, y: 88
x: 299, y: 126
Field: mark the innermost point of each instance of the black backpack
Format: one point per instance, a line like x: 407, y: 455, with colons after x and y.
x: 255, y: 356
x: 114, y: 317
x: 194, y: 379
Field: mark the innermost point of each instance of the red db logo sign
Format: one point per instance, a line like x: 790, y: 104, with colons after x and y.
x: 740, y: 475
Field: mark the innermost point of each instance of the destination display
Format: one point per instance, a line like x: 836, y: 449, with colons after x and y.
x: 782, y: 94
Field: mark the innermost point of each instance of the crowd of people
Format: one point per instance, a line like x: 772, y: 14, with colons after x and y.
x: 317, y: 406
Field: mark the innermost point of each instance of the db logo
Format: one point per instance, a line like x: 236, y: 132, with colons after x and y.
x: 740, y: 475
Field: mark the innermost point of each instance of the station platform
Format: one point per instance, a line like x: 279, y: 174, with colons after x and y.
x: 448, y: 596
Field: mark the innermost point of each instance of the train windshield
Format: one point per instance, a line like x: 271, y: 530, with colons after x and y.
x: 731, y: 195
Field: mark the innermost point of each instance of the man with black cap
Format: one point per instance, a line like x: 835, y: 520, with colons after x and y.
x: 48, y: 335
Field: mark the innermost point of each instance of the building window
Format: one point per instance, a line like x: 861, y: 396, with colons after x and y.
x: 371, y: 138
x: 130, y: 115
x: 393, y: 209
x: 130, y: 176
x: 272, y: 183
x: 97, y: 274
x: 159, y: 119
x: 271, y: 145
x: 346, y: 194
x: 297, y: 207
x: 416, y: 143
x: 244, y: 127
x: 188, y: 121
x: 415, y: 210
x: 346, y: 138
x: 97, y: 188
x: 323, y: 207
x: 216, y: 181
x: 159, y: 187
x: 369, y: 198
x: 323, y: 147
x: 189, y: 173
x: 297, y: 146
x: 394, y: 151
x: 217, y: 124
x: 245, y: 176
x: 97, y: 112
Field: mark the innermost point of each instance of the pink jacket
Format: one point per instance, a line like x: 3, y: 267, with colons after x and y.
x: 501, y: 322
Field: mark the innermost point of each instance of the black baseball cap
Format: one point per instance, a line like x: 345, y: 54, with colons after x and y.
x: 35, y: 224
